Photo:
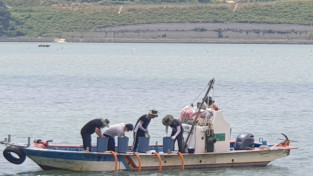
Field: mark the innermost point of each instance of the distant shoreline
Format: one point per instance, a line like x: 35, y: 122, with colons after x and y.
x: 215, y: 33
x: 287, y: 42
x: 191, y: 41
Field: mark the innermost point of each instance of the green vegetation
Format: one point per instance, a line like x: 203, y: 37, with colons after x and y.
x: 50, y: 18
x: 4, y: 19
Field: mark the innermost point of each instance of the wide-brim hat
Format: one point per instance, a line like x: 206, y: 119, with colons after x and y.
x: 167, y: 120
x: 154, y: 112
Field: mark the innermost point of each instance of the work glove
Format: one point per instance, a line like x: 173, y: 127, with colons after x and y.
x: 173, y: 137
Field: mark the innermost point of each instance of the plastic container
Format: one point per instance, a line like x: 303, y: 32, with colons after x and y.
x: 102, y: 144
x: 122, y: 144
x: 143, y: 144
x: 168, y: 144
x: 264, y: 142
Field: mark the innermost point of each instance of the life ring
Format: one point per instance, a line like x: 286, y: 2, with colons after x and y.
x: 17, y: 150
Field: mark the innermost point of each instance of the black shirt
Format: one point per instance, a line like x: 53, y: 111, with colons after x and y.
x: 91, y: 126
x: 145, y: 123
x: 175, y: 124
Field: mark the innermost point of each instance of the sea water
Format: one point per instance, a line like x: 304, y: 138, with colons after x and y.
x: 51, y: 92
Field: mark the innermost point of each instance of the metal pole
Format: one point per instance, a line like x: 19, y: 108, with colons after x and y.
x: 212, y: 81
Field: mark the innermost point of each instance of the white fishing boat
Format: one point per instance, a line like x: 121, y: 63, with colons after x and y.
x: 207, y: 143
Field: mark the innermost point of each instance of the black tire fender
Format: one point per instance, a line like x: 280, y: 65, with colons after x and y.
x: 17, y: 150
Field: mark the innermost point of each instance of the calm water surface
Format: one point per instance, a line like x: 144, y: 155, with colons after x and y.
x: 50, y: 93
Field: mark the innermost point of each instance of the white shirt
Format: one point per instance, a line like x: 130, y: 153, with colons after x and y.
x: 116, y: 130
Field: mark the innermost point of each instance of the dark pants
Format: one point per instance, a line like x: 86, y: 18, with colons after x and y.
x: 111, y: 142
x: 179, y: 139
x: 86, y: 140
x: 136, y: 136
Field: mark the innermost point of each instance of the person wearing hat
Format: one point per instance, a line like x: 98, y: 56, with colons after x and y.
x: 177, y: 130
x: 89, y: 128
x: 116, y: 130
x: 211, y: 103
x: 141, y: 127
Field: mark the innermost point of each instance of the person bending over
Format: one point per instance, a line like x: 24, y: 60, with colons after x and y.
x: 177, y: 130
x: 89, y: 128
x: 116, y: 130
x: 141, y: 127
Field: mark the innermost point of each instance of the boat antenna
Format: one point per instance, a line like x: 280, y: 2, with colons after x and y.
x: 200, y: 94
x: 211, y: 83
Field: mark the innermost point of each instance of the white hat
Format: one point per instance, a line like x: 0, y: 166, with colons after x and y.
x: 154, y: 112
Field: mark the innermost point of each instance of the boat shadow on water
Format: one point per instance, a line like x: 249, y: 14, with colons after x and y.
x: 214, y: 171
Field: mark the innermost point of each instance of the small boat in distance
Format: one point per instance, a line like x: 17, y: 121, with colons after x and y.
x: 207, y: 144
x: 44, y: 45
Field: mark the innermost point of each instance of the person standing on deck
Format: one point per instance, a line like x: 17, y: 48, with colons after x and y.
x: 141, y: 127
x: 177, y: 130
x: 211, y: 103
x: 89, y: 128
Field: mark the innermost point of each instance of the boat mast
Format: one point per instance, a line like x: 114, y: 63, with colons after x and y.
x: 211, y: 83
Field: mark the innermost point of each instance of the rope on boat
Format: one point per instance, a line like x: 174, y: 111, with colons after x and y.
x: 182, y: 161
x: 115, y: 159
x: 139, y: 161
x: 200, y: 93
x: 160, y: 161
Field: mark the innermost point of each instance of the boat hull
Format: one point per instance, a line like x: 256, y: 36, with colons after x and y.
x: 106, y: 161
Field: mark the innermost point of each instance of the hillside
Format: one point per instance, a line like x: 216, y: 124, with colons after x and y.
x: 287, y: 21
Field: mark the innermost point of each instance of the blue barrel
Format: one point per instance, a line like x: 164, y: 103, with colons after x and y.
x: 122, y: 144
x: 143, y: 144
x: 168, y: 144
x: 102, y: 144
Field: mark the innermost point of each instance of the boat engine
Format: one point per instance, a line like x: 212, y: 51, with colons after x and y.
x: 244, y: 141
